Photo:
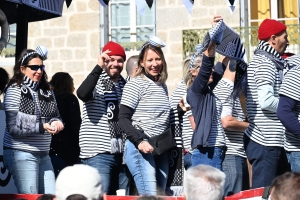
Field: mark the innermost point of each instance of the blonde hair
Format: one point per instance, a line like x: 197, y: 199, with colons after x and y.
x: 142, y: 57
x: 188, y: 78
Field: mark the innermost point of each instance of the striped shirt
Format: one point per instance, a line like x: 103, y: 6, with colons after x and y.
x: 36, y: 142
x: 264, y: 126
x: 150, y: 103
x: 217, y: 132
x: 234, y: 139
x: 94, y: 135
x: 186, y: 128
x: 290, y: 88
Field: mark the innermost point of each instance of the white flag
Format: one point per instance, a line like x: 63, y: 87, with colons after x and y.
x: 189, y: 4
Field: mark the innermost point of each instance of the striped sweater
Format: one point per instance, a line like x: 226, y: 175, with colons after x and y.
x: 264, y: 126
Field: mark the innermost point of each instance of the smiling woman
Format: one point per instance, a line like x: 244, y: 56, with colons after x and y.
x: 144, y: 112
x: 31, y: 113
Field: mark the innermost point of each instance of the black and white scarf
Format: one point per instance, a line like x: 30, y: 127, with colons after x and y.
x: 32, y: 110
x: 176, y: 157
x: 112, y: 107
x: 264, y: 48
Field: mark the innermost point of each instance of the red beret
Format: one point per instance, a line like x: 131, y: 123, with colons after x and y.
x: 270, y: 27
x: 115, y: 48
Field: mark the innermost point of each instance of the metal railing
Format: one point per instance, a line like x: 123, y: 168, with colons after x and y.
x: 248, y: 35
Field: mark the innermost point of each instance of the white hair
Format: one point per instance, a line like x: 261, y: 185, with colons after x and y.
x: 204, y: 182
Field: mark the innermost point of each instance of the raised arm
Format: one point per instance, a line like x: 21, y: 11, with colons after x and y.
x: 85, y: 91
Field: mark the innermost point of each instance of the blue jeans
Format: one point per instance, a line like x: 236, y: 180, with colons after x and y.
x: 237, y: 176
x: 148, y: 171
x: 187, y: 160
x: 113, y: 173
x: 294, y: 160
x: 32, y: 171
x: 212, y: 156
x: 264, y: 161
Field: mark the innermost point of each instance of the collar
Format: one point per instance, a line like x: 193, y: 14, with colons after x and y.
x: 153, y: 78
x: 268, y: 48
x: 30, y: 83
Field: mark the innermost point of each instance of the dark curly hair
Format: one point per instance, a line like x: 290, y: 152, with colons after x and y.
x: 18, y: 75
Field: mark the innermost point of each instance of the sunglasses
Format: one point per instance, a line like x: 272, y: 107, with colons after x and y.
x: 36, y: 67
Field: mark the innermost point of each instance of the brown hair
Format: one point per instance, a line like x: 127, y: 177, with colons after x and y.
x: 286, y: 186
x: 62, y: 82
x: 142, y: 57
x: 188, y: 78
x: 18, y: 75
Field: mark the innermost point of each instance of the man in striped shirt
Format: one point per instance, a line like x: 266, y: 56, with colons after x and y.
x: 289, y: 112
x: 100, y: 138
x: 263, y: 139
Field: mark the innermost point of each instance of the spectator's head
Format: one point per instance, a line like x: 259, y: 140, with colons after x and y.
x: 79, y: 182
x: 46, y: 197
x: 117, y: 56
x: 4, y: 78
x: 190, y: 73
x: 62, y: 82
x: 30, y: 64
x: 132, y: 66
x: 152, y: 60
x: 204, y: 182
x: 286, y: 187
x: 274, y: 32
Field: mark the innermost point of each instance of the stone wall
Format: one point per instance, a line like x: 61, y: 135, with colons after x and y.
x: 73, y: 40
x: 173, y: 17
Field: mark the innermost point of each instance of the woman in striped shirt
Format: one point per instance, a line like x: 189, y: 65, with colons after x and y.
x: 186, y: 123
x: 31, y: 117
x: 145, y: 106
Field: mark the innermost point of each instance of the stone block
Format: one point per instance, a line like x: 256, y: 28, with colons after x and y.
x: 34, y: 30
x: 65, y: 54
x: 51, y: 32
x: 201, y: 23
x: 80, y: 6
x: 56, y: 66
x: 94, y: 45
x: 84, y: 22
x: 163, y: 35
x: 77, y: 40
x: 173, y: 61
x: 74, y: 66
x: 94, y: 5
x: 176, y: 48
x: 176, y: 35
x: 53, y: 55
x: 78, y: 79
x: 175, y: 17
x: 59, y: 42
x: 44, y: 41
x: 200, y: 12
x: 80, y: 53
x: 59, y: 21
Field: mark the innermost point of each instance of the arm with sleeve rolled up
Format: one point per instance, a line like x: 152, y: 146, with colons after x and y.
x: 265, y: 80
x: 286, y: 115
x: 266, y: 98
